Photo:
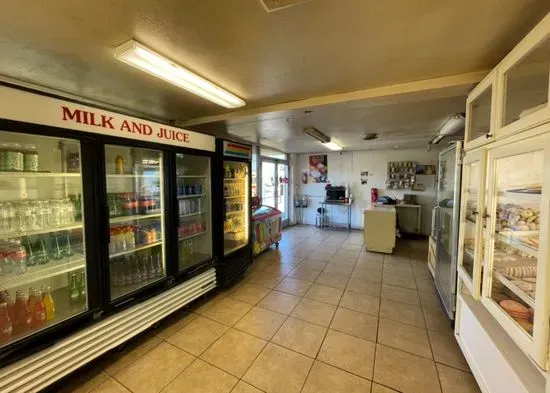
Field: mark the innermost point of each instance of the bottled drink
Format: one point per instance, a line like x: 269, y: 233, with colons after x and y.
x: 39, y: 311
x: 31, y: 302
x: 143, y: 268
x: 119, y: 165
x: 130, y: 237
x: 23, y: 317
x: 6, y: 298
x: 30, y: 158
x: 135, y: 270
x: 82, y: 289
x: 49, y: 304
x: 6, y: 327
x: 74, y: 292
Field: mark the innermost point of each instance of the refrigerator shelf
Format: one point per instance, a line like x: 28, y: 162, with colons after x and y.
x: 514, y: 288
x: 42, y: 272
x: 191, y: 177
x: 130, y: 176
x: 192, y: 236
x: 135, y: 249
x: 234, y: 196
x: 4, y: 236
x: 18, y: 175
x: 231, y: 179
x: 192, y: 214
x: 114, y: 220
x: 191, y: 196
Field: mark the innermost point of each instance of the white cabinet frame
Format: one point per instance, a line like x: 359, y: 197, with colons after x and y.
x: 537, y: 345
x: 487, y: 84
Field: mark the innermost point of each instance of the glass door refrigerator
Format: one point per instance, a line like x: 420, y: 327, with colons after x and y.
x: 234, y: 189
x: 447, y: 225
x: 135, y: 234
x: 193, y: 197
x: 48, y: 277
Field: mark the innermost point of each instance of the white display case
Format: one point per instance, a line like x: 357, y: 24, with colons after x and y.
x: 523, y: 83
x: 481, y: 113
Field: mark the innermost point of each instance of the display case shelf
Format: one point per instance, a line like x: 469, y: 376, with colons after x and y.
x: 192, y: 236
x: 42, y: 272
x: 533, y: 197
x: 231, y: 179
x: 117, y: 292
x: 514, y: 288
x: 115, y: 220
x: 14, y: 235
x: 234, y: 196
x: 135, y: 249
x: 513, y: 240
x: 190, y: 196
x: 19, y: 175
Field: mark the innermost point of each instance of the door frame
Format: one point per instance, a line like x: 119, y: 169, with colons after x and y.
x: 276, y: 162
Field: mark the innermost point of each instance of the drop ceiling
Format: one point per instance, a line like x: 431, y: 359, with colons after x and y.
x: 313, y: 48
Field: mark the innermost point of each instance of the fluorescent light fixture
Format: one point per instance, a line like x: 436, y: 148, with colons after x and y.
x: 315, y: 133
x: 143, y: 58
x: 451, y: 127
x: 332, y: 146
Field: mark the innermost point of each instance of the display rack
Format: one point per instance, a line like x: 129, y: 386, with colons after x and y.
x: 400, y: 175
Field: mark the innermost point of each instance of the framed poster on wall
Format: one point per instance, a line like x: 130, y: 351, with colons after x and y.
x: 318, y: 168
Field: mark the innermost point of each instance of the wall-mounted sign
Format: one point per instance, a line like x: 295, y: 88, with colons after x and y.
x: 318, y: 168
x: 239, y: 150
x: 38, y: 109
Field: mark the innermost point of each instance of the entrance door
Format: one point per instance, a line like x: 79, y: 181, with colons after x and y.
x: 269, y: 184
x: 275, y: 186
x: 282, y: 191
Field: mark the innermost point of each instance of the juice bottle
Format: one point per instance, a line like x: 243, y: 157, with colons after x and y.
x: 23, y: 317
x: 6, y: 327
x: 39, y: 311
x: 119, y: 165
x: 49, y: 304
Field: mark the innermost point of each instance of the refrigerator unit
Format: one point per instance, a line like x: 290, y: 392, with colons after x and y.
x: 234, y: 185
x: 445, y: 231
x: 93, y: 222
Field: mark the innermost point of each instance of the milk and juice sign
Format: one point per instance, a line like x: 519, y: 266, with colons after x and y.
x: 63, y: 114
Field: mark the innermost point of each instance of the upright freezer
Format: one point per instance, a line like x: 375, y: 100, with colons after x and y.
x: 447, y: 225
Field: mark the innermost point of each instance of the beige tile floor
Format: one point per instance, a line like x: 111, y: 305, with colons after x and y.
x: 318, y: 315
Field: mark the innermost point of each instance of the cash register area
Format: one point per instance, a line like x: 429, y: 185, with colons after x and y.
x: 318, y: 314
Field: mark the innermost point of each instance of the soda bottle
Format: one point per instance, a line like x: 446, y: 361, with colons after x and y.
x: 74, y: 292
x: 32, y: 299
x: 82, y: 289
x: 23, y: 317
x: 142, y: 268
x: 135, y: 271
x: 39, y: 311
x: 6, y: 327
x: 6, y: 298
x: 49, y: 304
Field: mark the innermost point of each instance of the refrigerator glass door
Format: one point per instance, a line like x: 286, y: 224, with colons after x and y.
x: 194, y: 210
x: 135, y: 193
x: 236, y: 207
x: 471, y: 217
x: 42, y: 248
x: 448, y: 187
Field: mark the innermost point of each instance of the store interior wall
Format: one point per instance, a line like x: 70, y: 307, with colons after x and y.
x: 345, y: 167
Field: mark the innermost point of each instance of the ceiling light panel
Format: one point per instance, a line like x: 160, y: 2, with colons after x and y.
x: 333, y: 146
x: 143, y: 58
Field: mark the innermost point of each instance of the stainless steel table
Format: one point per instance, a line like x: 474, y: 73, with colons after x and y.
x: 324, y: 205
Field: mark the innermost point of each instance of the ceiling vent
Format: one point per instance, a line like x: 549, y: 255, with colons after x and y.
x: 370, y: 136
x: 276, y: 5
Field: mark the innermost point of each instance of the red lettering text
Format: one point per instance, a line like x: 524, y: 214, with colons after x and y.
x: 75, y: 116
x: 136, y: 127
x: 147, y: 130
x: 125, y: 126
x: 106, y: 122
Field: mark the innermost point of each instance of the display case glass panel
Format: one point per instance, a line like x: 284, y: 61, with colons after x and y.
x: 526, y: 84
x: 135, y: 195
x: 471, y: 217
x: 42, y: 245
x: 480, y: 114
x: 194, y: 210
x: 236, y: 206
x: 515, y: 256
